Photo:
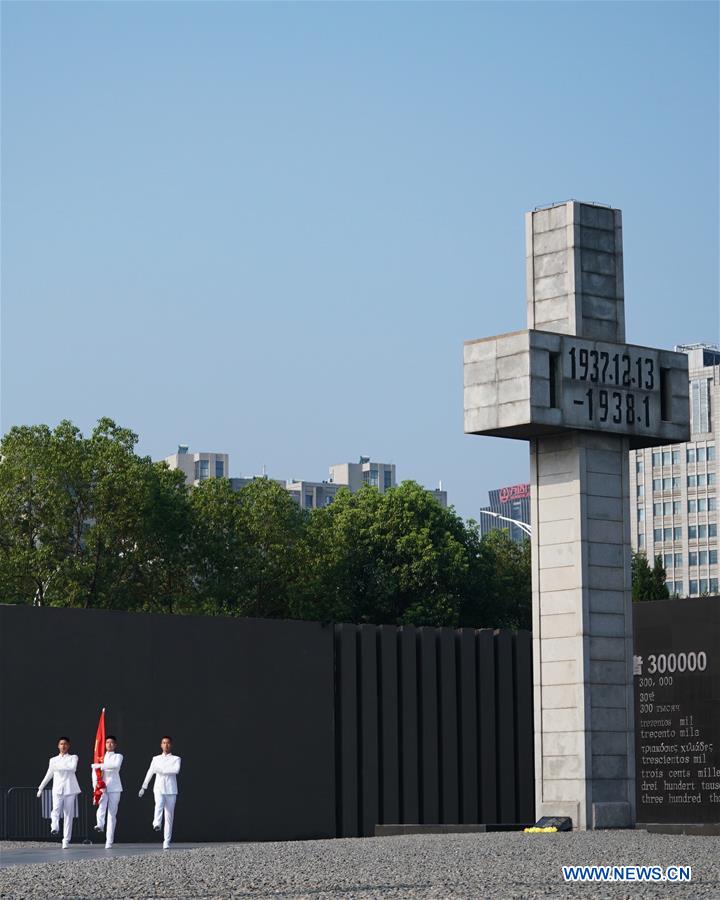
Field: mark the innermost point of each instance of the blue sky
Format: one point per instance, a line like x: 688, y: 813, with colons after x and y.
x: 268, y: 228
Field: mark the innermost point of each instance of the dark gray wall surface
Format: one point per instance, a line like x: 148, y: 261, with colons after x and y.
x: 435, y: 727
x: 248, y: 702
x: 287, y: 729
x: 677, y: 710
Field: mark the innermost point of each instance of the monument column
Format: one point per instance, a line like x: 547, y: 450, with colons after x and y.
x: 582, y: 617
x: 582, y: 397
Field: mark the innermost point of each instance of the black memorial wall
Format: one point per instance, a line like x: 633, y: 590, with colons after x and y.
x: 287, y: 729
x: 677, y: 710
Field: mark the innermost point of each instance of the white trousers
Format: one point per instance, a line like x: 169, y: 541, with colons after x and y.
x: 165, y: 803
x: 107, y: 809
x: 63, y: 805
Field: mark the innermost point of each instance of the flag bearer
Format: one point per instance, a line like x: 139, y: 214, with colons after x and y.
x: 110, y: 799
x: 61, y: 769
x: 165, y: 767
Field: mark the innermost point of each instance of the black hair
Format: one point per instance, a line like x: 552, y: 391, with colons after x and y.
x: 111, y: 737
x: 63, y: 738
x: 166, y: 737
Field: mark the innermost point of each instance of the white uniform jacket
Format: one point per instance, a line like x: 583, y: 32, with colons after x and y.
x: 164, y: 767
x: 111, y: 772
x: 62, y: 771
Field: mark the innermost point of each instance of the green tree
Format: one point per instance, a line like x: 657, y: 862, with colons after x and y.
x: 391, y: 558
x: 501, y: 595
x: 85, y: 522
x: 648, y: 583
x: 272, y: 524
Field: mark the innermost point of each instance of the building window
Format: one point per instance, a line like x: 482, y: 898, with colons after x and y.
x: 712, y: 557
x: 666, y: 457
x: 702, y: 531
x: 692, y: 532
x: 677, y: 533
x: 374, y: 478
x: 711, y: 452
x: 691, y: 455
x: 673, y: 507
x: 641, y: 540
x: 676, y: 457
x: 692, y: 506
x: 711, y: 479
x: 713, y: 585
x: 656, y: 459
x: 712, y: 530
x: 657, y: 509
x: 387, y: 479
x: 641, y: 490
x: 678, y: 560
x: 641, y: 514
x: 692, y: 558
x: 693, y: 588
x: 692, y: 480
x: 711, y: 503
x: 639, y: 466
x: 701, y: 454
x: 703, y: 585
x: 308, y: 501
x: 668, y: 561
x: 700, y: 405
x: 657, y: 484
x: 667, y: 534
x: 703, y: 558
x: 202, y: 469
x: 657, y: 535
x: 219, y: 468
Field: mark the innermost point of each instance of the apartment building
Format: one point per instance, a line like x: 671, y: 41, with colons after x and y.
x: 675, y: 514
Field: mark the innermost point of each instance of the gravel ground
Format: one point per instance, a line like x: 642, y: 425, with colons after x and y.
x: 418, y: 866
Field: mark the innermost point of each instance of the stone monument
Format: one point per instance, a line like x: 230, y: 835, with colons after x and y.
x: 582, y: 397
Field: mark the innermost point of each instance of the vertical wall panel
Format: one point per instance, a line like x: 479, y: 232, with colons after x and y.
x: 429, y: 744
x: 505, y: 715
x: 487, y: 747
x: 369, y: 751
x: 346, y: 718
x: 468, y: 727
x: 524, y: 770
x: 389, y: 726
x: 448, y: 708
x: 409, y: 727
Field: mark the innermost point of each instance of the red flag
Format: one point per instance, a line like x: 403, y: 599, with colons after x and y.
x: 99, y: 757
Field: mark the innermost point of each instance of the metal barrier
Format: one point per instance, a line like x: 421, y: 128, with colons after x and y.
x: 27, y: 818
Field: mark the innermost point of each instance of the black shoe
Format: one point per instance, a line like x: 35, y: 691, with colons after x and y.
x: 54, y: 831
x: 155, y: 828
x: 97, y: 828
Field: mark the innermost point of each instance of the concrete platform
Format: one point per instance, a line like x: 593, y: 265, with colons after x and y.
x: 53, y: 853
x: 700, y: 829
x: 396, y: 830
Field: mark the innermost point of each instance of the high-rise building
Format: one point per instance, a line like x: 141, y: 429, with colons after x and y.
x: 512, y: 502
x: 675, y: 514
x: 198, y: 467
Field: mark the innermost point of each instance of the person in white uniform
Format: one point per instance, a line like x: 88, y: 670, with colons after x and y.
x: 165, y: 767
x: 61, y: 769
x: 110, y: 799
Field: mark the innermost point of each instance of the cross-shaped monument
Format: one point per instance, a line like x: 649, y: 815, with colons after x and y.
x: 571, y: 386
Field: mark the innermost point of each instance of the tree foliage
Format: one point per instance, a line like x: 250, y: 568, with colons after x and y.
x: 648, y: 583
x: 86, y: 522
